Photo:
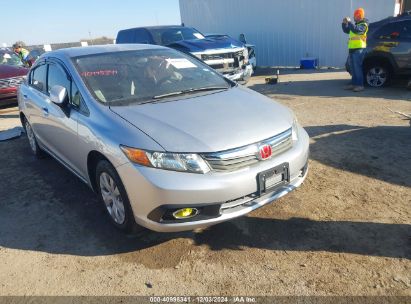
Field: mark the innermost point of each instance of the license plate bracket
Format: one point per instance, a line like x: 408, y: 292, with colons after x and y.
x: 274, y: 178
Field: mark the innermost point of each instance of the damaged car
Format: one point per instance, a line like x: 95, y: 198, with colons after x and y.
x: 252, y: 57
x: 166, y: 142
x: 223, y: 53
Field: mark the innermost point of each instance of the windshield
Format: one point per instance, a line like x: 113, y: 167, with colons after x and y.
x: 143, y: 75
x: 166, y: 36
x: 10, y: 58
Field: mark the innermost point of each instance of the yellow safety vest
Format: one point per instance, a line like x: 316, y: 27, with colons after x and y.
x: 23, y: 54
x: 356, y: 41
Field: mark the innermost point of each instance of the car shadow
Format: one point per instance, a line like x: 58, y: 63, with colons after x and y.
x: 301, y: 234
x: 330, y: 88
x: 45, y: 208
x: 272, y: 71
x: 4, y: 116
x: 6, y: 104
x: 381, y: 152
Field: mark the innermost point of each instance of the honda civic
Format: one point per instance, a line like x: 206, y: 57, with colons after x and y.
x: 165, y: 141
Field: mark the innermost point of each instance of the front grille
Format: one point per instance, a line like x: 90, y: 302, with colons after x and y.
x: 12, y: 82
x: 221, y: 55
x: 238, y: 158
x: 239, y: 203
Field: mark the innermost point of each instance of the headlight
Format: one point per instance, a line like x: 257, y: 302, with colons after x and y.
x: 245, y: 54
x: 294, y: 134
x: 168, y: 161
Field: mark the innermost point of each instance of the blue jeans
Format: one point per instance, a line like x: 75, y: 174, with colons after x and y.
x: 356, y: 60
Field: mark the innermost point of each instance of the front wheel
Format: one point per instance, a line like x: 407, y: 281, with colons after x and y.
x: 32, y: 140
x: 377, y: 75
x: 114, y: 197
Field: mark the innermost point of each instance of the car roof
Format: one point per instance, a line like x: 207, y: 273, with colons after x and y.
x: 98, y: 49
x: 156, y: 27
x: 402, y: 17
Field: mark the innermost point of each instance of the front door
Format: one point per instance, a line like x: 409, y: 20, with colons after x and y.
x: 61, y: 120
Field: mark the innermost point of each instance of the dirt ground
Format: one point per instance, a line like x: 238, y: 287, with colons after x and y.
x: 345, y: 231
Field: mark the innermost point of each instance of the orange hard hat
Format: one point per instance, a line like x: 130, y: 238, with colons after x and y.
x: 359, y: 13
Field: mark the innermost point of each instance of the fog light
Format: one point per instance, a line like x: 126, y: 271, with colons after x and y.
x: 185, y: 213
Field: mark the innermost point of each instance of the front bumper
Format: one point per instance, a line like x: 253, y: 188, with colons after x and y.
x: 149, y: 189
x: 241, y: 74
x: 8, y: 93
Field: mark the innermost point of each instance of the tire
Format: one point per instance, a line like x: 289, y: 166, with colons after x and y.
x: 243, y: 82
x: 35, y: 149
x: 114, y: 198
x: 377, y: 74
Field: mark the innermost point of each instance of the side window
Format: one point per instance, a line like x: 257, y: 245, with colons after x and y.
x: 75, y: 95
x: 38, y: 78
x: 125, y: 36
x: 395, y: 30
x: 57, y: 76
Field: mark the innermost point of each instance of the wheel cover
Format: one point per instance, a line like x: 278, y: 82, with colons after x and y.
x: 31, y: 137
x: 377, y: 76
x: 112, y: 198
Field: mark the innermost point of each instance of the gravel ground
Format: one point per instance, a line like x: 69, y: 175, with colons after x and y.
x: 345, y: 231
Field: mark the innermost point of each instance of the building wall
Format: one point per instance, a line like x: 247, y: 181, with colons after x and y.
x: 406, y: 5
x: 284, y: 30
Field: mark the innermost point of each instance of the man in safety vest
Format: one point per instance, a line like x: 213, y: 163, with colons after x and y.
x: 22, y: 53
x: 357, y: 42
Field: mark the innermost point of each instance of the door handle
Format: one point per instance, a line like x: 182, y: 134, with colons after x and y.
x: 45, y: 111
x: 25, y: 96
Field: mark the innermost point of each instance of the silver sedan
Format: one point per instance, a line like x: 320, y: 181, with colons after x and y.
x: 164, y: 140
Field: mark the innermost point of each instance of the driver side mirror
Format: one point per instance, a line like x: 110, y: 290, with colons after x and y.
x: 242, y: 38
x: 58, y: 95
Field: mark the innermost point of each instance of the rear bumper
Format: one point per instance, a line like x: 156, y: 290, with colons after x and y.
x: 149, y: 189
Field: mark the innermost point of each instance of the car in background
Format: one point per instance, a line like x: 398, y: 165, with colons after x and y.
x: 12, y: 74
x: 223, y: 53
x: 34, y: 55
x: 388, y: 52
x: 164, y: 140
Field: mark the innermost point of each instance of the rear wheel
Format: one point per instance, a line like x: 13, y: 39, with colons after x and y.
x: 114, y: 197
x: 377, y: 75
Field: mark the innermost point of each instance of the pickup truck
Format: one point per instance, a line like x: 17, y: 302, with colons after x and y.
x: 223, y: 53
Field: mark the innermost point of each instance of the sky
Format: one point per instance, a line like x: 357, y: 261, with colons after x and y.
x: 51, y: 21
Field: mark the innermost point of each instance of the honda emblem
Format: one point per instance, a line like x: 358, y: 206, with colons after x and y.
x: 265, y: 152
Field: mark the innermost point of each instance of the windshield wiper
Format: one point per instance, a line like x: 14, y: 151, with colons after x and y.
x: 167, y: 95
x: 189, y: 91
x: 205, y: 89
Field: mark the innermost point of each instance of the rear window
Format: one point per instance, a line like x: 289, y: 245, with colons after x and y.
x: 139, y: 35
x: 394, y: 30
x: 38, y: 77
x: 126, y: 36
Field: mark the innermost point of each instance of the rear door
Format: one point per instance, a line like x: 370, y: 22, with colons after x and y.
x: 34, y: 97
x: 395, y: 39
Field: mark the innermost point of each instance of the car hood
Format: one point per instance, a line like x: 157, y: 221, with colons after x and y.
x: 7, y: 71
x: 201, y: 45
x: 209, y: 123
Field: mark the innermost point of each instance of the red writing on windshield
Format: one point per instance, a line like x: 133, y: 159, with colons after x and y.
x: 100, y: 73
